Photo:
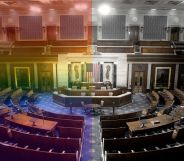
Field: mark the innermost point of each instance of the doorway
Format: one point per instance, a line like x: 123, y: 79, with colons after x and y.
x: 45, y: 81
x: 138, y: 82
x: 139, y: 78
x: 134, y: 34
x: 175, y: 34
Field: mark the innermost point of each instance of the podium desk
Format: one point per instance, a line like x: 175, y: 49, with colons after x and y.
x: 146, y: 125
x: 32, y: 123
x: 4, y: 111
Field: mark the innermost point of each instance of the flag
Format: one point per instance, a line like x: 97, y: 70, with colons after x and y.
x: 96, y: 72
x: 89, y: 72
x: 93, y: 72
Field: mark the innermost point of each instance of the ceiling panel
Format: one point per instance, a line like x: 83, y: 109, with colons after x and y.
x: 66, y: 4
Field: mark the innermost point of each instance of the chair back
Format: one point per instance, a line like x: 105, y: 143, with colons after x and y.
x: 83, y: 93
x: 101, y: 103
x: 82, y: 103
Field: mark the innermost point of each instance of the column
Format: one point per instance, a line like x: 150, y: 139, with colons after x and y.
x: 82, y: 72
x: 54, y: 76
x: 115, y: 75
x: 176, y: 76
x: 129, y: 75
x: 69, y: 75
x: 101, y: 71
x: 36, y: 75
x: 8, y: 74
x: 149, y: 76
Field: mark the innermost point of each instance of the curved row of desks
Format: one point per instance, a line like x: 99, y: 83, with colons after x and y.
x: 66, y: 100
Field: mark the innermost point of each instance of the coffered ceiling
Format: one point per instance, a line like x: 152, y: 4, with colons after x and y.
x: 67, y: 4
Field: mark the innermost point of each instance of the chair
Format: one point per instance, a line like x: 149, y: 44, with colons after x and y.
x: 110, y: 93
x: 102, y: 103
x: 84, y: 108
x: 83, y: 93
x: 92, y: 87
x: 83, y: 88
x: 103, y: 88
x: 92, y: 93
x: 108, y: 87
x: 74, y: 87
x: 100, y: 108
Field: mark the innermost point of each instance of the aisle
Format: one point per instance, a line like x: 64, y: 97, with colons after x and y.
x: 92, y: 142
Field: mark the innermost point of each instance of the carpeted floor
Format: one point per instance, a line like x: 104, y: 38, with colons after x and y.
x: 92, y: 143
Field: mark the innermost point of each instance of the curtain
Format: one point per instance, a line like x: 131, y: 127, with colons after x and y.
x: 71, y: 27
x: 30, y: 27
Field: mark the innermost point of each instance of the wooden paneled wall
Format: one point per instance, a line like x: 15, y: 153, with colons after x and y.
x: 116, y: 49
x: 181, y: 77
x: 153, y: 72
x: 31, y: 68
x: 45, y: 76
x: 157, y: 50
x: 3, y: 76
x: 154, y: 43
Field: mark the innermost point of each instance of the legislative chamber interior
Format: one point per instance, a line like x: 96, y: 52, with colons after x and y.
x: 91, y: 80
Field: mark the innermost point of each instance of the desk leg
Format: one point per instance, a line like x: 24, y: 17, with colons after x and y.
x: 113, y: 110
x: 71, y: 108
x: 113, y: 107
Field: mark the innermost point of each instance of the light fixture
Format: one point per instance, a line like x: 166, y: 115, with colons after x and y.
x: 133, y: 8
x: 174, y: 9
x: 35, y: 9
x: 81, y: 6
x: 153, y: 9
x: 104, y: 9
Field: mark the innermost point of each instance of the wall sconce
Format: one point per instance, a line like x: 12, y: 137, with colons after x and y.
x: 99, y: 28
x: 141, y: 28
x: 17, y: 29
x: 44, y: 28
x: 4, y: 29
x: 181, y: 29
x: 167, y: 29
x: 85, y: 28
x: 126, y: 28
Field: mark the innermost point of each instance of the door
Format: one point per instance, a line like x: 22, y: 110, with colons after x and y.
x: 134, y: 34
x: 138, y: 82
x: 51, y: 33
x: 175, y: 32
x: 11, y: 33
x: 45, y: 81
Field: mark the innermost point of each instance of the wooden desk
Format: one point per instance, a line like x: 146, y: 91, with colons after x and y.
x: 163, y: 120
x: 119, y: 100
x: 26, y: 121
x: 4, y: 111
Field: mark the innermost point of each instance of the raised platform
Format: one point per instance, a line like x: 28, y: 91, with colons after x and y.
x: 66, y: 100
x: 98, y: 92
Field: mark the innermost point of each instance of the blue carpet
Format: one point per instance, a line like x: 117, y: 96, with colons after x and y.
x: 91, y: 143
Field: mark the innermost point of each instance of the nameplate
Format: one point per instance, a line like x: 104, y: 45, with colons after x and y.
x: 155, y: 122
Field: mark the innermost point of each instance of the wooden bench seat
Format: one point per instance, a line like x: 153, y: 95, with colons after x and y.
x: 153, y: 97
x: 70, y: 132
x: 113, y: 132
x: 16, y: 153
x: 61, y: 122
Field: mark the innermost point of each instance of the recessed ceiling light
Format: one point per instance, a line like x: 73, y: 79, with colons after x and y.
x: 35, y: 9
x: 174, y: 9
x: 133, y: 8
x: 153, y: 9
x: 81, y: 6
x: 104, y: 9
